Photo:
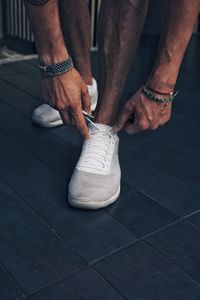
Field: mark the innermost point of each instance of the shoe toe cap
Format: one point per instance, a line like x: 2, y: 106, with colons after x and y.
x: 91, y: 190
x: 45, y: 114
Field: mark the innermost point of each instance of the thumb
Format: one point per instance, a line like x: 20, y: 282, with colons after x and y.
x: 123, y: 118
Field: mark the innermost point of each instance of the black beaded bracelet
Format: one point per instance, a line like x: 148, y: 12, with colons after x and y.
x: 151, y: 96
x: 56, y: 69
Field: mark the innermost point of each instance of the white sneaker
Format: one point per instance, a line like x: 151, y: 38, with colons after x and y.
x: 95, y: 182
x: 46, y: 116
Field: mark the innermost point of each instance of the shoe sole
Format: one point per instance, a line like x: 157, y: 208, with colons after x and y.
x: 48, y: 125
x: 93, y: 205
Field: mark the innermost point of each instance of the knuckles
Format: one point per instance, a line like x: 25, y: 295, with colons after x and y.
x: 61, y: 106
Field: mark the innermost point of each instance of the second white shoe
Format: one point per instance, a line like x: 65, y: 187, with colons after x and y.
x: 47, y: 116
x: 95, y: 182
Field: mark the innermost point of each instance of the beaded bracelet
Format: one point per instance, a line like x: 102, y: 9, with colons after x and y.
x: 151, y: 96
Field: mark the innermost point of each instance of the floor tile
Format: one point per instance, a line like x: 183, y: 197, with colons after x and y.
x: 49, y: 148
x: 152, y: 180
x: 7, y: 115
x: 18, y: 99
x: 92, y: 234
x: 70, y: 135
x: 140, y: 273
x: 86, y: 285
x: 195, y: 219
x: 180, y: 244
x: 22, y: 82
x: 8, y: 288
x: 30, y: 250
x: 139, y: 213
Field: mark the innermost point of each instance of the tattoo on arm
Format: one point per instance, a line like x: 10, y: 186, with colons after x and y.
x: 37, y: 2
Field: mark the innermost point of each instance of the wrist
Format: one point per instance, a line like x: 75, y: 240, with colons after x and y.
x: 161, y: 84
x: 53, y: 52
x: 163, y: 78
x: 53, y: 57
x: 157, y: 96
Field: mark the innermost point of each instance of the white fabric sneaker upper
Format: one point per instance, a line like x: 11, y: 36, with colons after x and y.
x: 95, y: 182
x: 98, y: 150
x: 46, y: 116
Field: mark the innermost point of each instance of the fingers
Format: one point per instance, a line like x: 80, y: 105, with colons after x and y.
x: 76, y: 118
x: 66, y: 118
x: 143, y: 124
x: 133, y: 128
x: 124, y: 117
x: 86, y: 103
x: 80, y: 123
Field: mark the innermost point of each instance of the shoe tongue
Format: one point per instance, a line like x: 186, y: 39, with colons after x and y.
x: 99, y: 127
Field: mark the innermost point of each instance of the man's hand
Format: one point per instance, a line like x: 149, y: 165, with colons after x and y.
x: 69, y: 95
x: 141, y: 113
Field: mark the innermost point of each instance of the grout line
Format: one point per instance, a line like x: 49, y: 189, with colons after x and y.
x: 138, y: 240
x: 43, y: 221
x: 70, y: 276
x: 172, y: 263
x: 113, y: 252
x: 179, y: 217
x: 191, y: 214
x: 156, y: 202
x: 13, y: 279
x: 155, y: 249
x: 133, y: 242
x: 59, y: 281
x: 109, y: 283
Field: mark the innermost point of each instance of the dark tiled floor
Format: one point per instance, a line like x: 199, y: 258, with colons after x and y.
x: 145, y: 246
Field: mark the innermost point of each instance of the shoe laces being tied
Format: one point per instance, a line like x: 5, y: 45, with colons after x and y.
x: 97, y: 150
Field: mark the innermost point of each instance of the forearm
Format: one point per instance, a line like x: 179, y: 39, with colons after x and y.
x: 45, y: 23
x: 180, y: 19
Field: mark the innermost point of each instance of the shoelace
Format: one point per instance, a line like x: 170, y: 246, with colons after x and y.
x: 96, y: 153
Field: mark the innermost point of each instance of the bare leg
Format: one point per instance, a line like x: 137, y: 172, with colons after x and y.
x: 76, y: 28
x: 120, y: 25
